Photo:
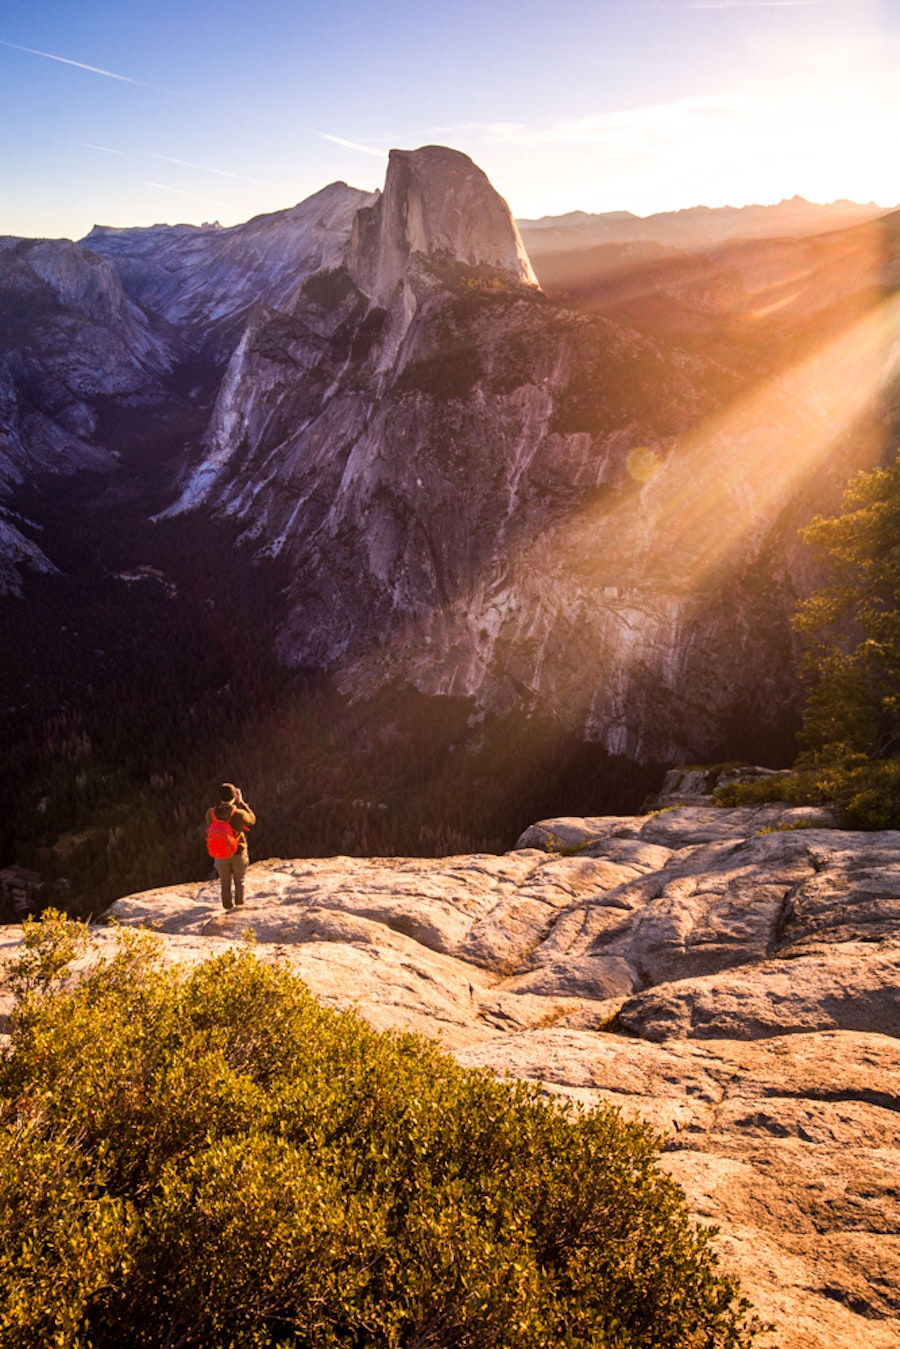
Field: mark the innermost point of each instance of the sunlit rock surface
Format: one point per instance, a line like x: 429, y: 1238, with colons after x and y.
x: 436, y: 203
x: 731, y: 975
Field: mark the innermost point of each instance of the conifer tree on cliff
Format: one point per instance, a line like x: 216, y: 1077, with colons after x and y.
x: 852, y: 625
x: 851, y: 630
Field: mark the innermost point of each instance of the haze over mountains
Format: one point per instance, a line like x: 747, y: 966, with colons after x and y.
x: 694, y: 228
x: 402, y: 443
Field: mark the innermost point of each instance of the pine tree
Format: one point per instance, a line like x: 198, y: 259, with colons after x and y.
x: 852, y: 632
x: 852, y: 625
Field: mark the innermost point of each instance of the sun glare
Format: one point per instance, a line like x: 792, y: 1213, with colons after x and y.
x: 642, y: 463
x: 730, y: 478
x: 628, y: 571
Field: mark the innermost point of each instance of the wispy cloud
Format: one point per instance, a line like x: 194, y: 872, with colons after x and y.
x: 49, y: 56
x: 222, y: 173
x: 104, y: 149
x: 352, y: 145
x: 194, y: 196
x: 654, y: 126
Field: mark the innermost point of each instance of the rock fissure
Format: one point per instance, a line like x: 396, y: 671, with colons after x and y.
x: 783, y: 919
x: 883, y: 1100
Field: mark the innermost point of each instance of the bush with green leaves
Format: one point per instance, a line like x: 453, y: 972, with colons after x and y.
x: 209, y: 1157
x: 865, y: 791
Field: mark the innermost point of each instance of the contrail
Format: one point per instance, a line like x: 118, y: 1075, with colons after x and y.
x: 352, y: 145
x: 95, y: 70
x: 223, y: 173
x: 210, y: 201
x: 86, y: 145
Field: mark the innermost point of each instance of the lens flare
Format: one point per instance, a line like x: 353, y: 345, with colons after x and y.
x: 642, y: 464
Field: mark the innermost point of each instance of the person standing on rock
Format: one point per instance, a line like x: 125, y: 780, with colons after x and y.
x: 226, y: 842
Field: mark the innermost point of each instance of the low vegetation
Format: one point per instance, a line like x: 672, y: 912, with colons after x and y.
x: 211, y: 1158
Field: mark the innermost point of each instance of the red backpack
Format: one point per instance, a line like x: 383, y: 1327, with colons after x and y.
x: 221, y: 840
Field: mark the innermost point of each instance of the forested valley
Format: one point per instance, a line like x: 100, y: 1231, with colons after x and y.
x: 142, y: 675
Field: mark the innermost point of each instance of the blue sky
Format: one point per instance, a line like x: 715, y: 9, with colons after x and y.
x: 127, y: 114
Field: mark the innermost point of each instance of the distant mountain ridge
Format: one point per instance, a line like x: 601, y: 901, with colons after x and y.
x: 204, y: 280
x: 695, y: 227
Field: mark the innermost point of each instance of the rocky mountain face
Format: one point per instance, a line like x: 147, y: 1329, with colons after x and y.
x: 436, y: 204
x: 70, y: 341
x: 730, y: 975
x: 461, y: 481
x: 489, y: 494
x: 203, y: 281
x: 103, y: 325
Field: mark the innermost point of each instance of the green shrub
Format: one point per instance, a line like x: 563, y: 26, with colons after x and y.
x: 866, y: 792
x: 211, y: 1158
x: 869, y: 792
x: 790, y: 827
x: 796, y: 789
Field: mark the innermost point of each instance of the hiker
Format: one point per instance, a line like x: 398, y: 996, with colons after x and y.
x: 226, y: 841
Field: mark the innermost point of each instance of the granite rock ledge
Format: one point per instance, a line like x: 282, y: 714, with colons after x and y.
x: 730, y: 975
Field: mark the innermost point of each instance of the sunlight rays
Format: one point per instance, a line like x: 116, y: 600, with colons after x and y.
x: 728, y: 480
x: 619, y: 584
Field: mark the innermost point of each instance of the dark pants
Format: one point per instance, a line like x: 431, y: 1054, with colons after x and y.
x: 232, y: 869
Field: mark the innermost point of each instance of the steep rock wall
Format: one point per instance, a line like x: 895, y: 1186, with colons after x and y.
x: 490, y: 495
x: 439, y: 204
